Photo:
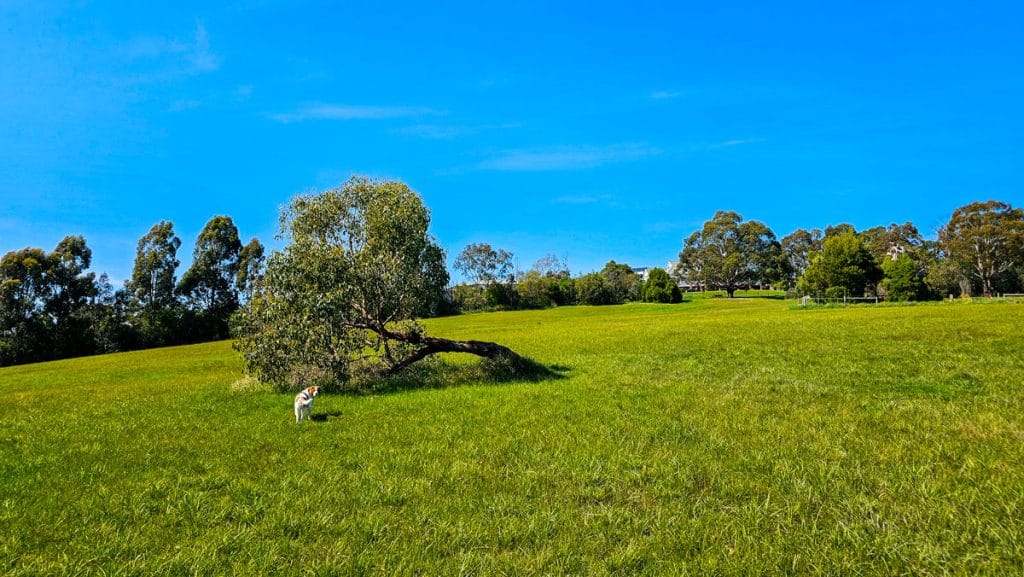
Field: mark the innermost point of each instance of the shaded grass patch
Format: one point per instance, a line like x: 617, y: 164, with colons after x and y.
x: 456, y: 370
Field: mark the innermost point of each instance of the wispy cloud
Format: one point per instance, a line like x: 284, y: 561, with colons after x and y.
x: 450, y: 132
x: 583, y: 199
x: 735, y: 142
x: 436, y: 131
x: 202, y: 58
x: 183, y: 105
x: 193, y: 56
x: 244, y: 92
x: 351, y: 112
x: 665, y: 94
x: 566, y: 157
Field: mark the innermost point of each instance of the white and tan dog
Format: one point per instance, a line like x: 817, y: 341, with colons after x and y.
x: 304, y: 403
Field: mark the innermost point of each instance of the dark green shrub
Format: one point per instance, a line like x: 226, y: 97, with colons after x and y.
x: 594, y: 289
x: 660, y: 288
x: 904, y: 281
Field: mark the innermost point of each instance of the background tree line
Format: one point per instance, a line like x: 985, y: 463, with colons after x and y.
x: 980, y: 251
x: 52, y: 307
x: 494, y: 285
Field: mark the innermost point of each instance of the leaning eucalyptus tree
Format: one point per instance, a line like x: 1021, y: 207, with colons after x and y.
x: 358, y: 268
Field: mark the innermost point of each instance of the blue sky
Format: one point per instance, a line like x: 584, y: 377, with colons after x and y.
x: 591, y: 130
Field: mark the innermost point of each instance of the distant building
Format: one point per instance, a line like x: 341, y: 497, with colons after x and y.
x: 672, y: 268
x: 643, y: 271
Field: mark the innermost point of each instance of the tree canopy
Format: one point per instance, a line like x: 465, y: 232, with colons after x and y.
x: 43, y: 299
x: 985, y: 239
x: 251, y: 260
x: 484, y: 264
x: 843, y: 263
x: 153, y: 277
x: 343, y: 295
x: 799, y: 245
x: 208, y: 286
x: 728, y: 253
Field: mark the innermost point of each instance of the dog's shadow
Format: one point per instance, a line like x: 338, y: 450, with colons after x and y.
x: 324, y: 417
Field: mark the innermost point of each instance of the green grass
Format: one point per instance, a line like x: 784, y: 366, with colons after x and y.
x: 715, y: 437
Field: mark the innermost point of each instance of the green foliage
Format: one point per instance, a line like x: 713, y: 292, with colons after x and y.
x: 358, y: 267
x: 491, y: 272
x: 45, y: 303
x: 904, y: 280
x: 836, y: 292
x: 469, y: 298
x: 537, y: 290
x: 500, y: 296
x: 660, y: 288
x: 53, y: 307
x: 208, y: 286
x: 483, y: 264
x: 153, y: 275
x: 985, y: 239
x: 839, y: 229
x: 942, y: 275
x: 728, y: 253
x: 724, y: 437
x: 594, y: 289
x: 903, y: 238
x: 623, y: 283
x: 251, y: 260
x: 799, y: 246
x: 843, y: 262
x: 24, y: 291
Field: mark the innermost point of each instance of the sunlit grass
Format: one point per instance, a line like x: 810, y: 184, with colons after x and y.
x: 718, y: 436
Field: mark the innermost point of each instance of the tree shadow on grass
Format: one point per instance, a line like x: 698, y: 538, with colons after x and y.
x: 436, y: 373
x: 324, y: 417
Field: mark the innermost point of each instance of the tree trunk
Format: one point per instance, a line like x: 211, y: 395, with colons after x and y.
x: 433, y: 345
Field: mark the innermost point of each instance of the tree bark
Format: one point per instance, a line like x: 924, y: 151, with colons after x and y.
x: 433, y: 345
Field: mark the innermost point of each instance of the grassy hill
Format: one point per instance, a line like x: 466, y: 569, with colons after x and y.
x: 727, y: 437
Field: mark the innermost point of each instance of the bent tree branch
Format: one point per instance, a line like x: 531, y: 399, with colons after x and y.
x: 427, y: 346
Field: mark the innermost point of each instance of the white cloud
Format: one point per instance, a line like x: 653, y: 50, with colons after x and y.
x: 450, y: 132
x: 202, y: 58
x: 665, y: 95
x: 736, y: 142
x: 566, y: 157
x: 583, y: 199
x: 436, y: 132
x: 350, y: 112
x: 174, y: 56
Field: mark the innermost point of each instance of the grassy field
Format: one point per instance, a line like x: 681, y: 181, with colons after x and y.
x: 716, y: 437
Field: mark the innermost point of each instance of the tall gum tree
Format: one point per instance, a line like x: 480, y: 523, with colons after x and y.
x: 985, y: 239
x: 728, y: 253
x: 358, y: 267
